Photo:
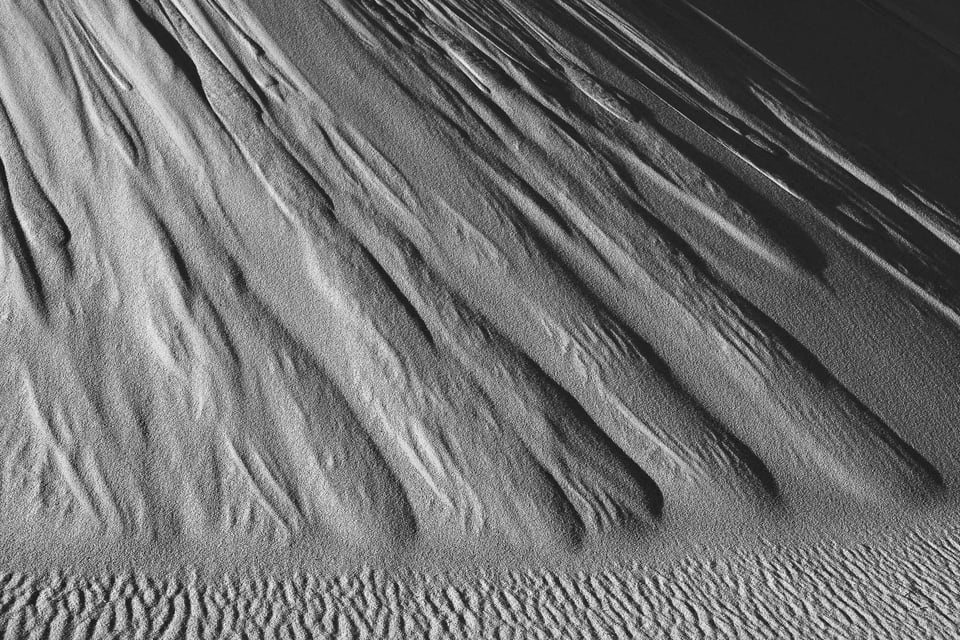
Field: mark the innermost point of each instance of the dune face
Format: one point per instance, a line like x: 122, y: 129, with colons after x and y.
x: 448, y: 279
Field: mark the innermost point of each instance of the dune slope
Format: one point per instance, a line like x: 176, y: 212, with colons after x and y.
x: 550, y: 277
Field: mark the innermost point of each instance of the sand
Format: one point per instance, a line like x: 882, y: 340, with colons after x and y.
x: 420, y: 318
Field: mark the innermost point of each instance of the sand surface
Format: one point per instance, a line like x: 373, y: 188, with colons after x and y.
x: 479, y: 318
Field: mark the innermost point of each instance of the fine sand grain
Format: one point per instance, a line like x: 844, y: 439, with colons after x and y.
x: 486, y: 318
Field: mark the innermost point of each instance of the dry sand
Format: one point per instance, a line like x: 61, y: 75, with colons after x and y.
x: 470, y: 318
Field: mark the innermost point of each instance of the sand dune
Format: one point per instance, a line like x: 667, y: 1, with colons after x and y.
x: 459, y: 282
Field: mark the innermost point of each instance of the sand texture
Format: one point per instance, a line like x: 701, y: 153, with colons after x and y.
x: 479, y: 318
